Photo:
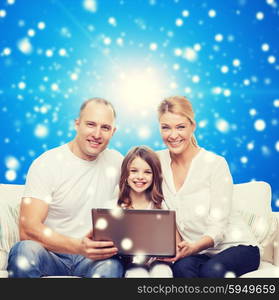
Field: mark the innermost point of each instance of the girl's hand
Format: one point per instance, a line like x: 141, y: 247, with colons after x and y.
x: 125, y: 206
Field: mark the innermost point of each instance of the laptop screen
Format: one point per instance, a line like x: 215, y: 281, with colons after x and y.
x: 137, y: 232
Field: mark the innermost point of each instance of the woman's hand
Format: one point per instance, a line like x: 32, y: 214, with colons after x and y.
x: 186, y: 249
x: 183, y: 249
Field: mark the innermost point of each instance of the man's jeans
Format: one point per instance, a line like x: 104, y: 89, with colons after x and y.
x: 31, y: 259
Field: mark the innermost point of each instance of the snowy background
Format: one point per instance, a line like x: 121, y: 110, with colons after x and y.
x: 222, y: 55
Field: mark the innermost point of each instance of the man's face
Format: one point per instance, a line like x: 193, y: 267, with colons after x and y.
x: 94, y: 127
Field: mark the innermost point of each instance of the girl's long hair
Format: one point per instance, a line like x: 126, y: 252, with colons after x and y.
x: 154, y: 192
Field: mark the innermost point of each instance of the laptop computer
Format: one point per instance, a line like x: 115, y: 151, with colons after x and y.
x: 135, y: 231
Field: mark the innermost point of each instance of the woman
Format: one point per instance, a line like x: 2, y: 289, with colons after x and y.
x: 198, y: 185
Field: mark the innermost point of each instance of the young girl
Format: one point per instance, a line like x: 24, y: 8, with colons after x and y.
x: 140, y: 188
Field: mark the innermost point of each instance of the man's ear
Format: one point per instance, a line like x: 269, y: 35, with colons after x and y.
x: 77, y: 122
x: 113, y: 131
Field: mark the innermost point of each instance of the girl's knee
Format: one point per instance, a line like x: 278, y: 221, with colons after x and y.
x: 137, y: 272
x: 161, y: 270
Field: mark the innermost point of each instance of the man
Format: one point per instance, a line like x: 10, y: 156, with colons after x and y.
x: 62, y: 186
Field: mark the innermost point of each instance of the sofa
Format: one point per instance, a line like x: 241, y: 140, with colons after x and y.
x: 252, y: 200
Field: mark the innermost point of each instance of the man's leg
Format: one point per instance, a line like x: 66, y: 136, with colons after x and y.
x: 109, y: 268
x: 30, y: 259
x: 239, y: 260
x: 189, y: 267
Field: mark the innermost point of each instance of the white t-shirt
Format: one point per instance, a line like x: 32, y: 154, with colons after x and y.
x: 203, y: 203
x: 72, y: 187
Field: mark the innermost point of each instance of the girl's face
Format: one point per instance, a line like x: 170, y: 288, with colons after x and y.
x: 140, y: 175
x: 176, y: 132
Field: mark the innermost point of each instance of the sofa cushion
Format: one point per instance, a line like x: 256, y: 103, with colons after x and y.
x: 264, y: 228
x: 253, y: 201
x: 254, y: 196
x: 10, y: 196
x: 265, y: 270
x: 3, y: 274
x: 9, y: 233
x: 3, y: 260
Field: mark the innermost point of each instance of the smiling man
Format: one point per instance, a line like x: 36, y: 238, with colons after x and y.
x: 95, y: 127
x: 62, y: 186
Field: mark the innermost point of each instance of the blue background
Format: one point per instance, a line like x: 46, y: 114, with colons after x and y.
x: 222, y: 55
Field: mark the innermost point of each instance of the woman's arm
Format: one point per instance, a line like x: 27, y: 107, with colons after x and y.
x: 221, y: 187
x: 185, y: 248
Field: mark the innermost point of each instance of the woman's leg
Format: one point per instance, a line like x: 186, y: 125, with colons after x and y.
x: 239, y: 260
x: 30, y: 259
x: 189, y: 267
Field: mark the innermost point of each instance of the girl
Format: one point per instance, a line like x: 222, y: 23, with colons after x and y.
x: 140, y: 188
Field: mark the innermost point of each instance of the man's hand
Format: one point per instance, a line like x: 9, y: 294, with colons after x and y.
x: 96, y: 250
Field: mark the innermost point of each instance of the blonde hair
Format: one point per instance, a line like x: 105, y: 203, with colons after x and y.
x: 179, y: 105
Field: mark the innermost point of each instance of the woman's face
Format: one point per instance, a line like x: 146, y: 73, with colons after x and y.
x: 176, y: 131
x: 140, y: 175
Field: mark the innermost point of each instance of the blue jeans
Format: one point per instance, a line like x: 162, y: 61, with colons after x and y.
x: 238, y: 259
x: 31, y: 259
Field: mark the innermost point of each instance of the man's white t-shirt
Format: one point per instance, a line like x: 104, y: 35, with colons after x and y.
x: 72, y: 186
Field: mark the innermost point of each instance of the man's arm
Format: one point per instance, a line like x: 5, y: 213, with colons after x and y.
x: 33, y: 213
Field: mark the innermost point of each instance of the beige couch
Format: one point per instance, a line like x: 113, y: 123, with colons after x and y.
x: 252, y: 200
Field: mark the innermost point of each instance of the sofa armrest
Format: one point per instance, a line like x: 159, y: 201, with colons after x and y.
x: 276, y: 242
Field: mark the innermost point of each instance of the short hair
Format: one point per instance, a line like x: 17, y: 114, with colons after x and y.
x: 97, y: 100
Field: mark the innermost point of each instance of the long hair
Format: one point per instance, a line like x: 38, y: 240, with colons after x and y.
x: 154, y: 192
x: 178, y: 105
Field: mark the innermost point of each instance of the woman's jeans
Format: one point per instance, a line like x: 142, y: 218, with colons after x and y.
x: 30, y: 259
x: 234, y: 261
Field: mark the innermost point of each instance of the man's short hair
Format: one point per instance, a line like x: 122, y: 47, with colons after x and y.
x: 96, y: 100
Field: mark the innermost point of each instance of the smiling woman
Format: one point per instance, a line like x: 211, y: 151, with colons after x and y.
x: 197, y: 184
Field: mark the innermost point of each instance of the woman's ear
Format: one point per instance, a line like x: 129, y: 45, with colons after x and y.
x: 193, y: 126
